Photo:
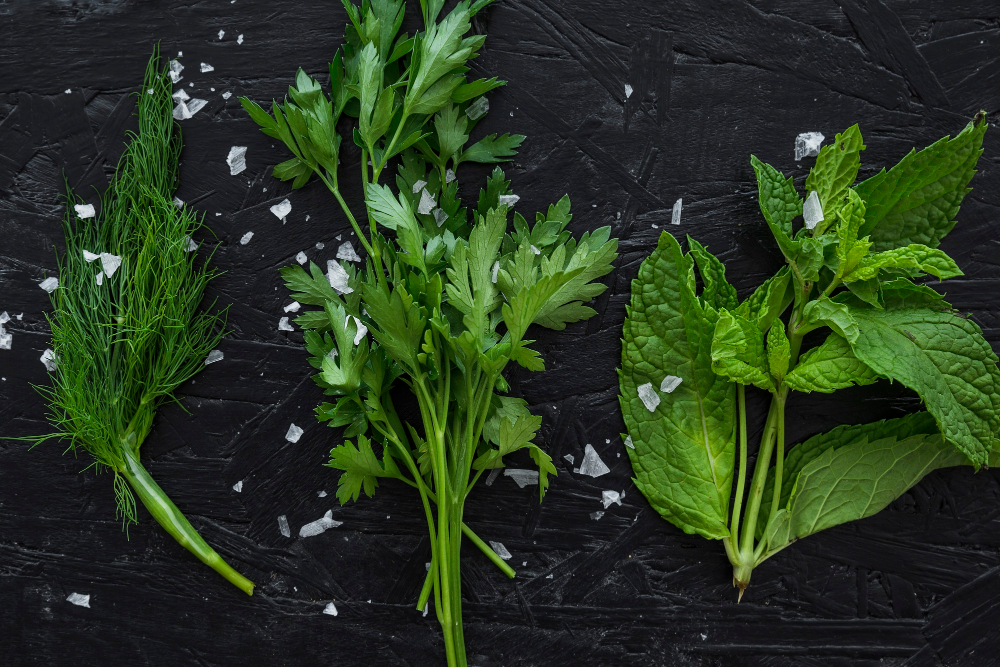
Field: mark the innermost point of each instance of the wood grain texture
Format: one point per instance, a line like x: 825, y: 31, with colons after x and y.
x: 712, y: 81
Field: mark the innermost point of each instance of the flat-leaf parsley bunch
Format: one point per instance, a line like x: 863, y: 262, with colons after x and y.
x: 447, y: 294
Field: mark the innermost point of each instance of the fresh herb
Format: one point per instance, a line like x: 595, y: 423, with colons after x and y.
x: 126, y: 329
x: 850, y: 271
x: 443, y: 304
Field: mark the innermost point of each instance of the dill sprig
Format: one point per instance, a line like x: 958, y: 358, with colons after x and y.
x: 124, y: 342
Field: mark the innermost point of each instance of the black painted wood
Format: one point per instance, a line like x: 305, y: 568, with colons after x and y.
x: 712, y: 81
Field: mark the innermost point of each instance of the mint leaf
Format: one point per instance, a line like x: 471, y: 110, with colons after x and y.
x: 917, y: 200
x: 913, y: 256
x: 738, y: 351
x: 718, y: 293
x: 828, y: 367
x: 780, y: 204
x: 837, y: 316
x: 684, y: 450
x: 769, y: 300
x: 835, y: 170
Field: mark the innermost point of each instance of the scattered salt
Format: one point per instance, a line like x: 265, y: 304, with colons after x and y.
x: 85, y: 211
x: 592, y: 465
x: 321, y: 494
x: 608, y: 497
x: 301, y: 258
x: 90, y: 256
x: 293, y: 307
x: 500, y: 549
x: 628, y: 442
x: 670, y: 383
x: 175, y: 69
x: 110, y: 263
x: 245, y: 239
x: 293, y: 434
x: 191, y: 246
x: 338, y: 277
x: 508, y: 200
x: 812, y: 210
x: 205, y: 67
x: 649, y: 396
x: 68, y: 91
x: 213, y: 356
x: 536, y: 250
x: 79, y: 600
x: 361, y: 329
x: 628, y: 91
x: 478, y: 108
x: 570, y: 458
x: 239, y: 40
x: 48, y: 359
x: 283, y: 325
x: 319, y: 244
x: 237, y: 160
x: 222, y: 33
x: 675, y: 214
x: 178, y: 202
x: 449, y: 176
x: 419, y: 185
x: 596, y: 516
x: 282, y: 209
x: 522, y: 477
x: 320, y: 525
x: 330, y: 608
x: 807, y: 144
x: 49, y: 284
x: 283, y: 526
x: 99, y: 278
x: 427, y: 606
x: 495, y: 271
x: 426, y: 204
x: 238, y: 486
x: 439, y: 216
x: 346, y: 251
x: 180, y: 96
x: 226, y: 95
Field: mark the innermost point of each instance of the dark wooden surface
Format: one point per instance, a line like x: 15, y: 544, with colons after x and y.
x: 713, y: 80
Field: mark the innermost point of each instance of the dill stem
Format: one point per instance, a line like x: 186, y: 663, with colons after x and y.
x: 167, y: 515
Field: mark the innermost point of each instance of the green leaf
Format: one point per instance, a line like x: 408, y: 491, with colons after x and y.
x: 837, y: 316
x: 769, y: 300
x: 452, y: 130
x: 474, y: 89
x: 685, y: 448
x: 780, y: 204
x: 738, y: 351
x: 311, y: 288
x: 917, y: 200
x: 778, y: 351
x: 829, y: 367
x: 491, y: 149
x: 294, y: 170
x: 718, y: 293
x: 835, y: 170
x: 361, y: 469
x: 913, y: 256
x: 944, y: 358
x: 850, y: 250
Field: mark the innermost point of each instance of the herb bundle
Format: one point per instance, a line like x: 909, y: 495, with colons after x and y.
x: 448, y: 297
x: 688, y: 356
x: 126, y: 329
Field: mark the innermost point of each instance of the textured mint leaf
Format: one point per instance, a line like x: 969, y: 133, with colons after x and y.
x: 835, y: 171
x: 685, y: 447
x: 717, y: 293
x: 769, y: 300
x: 837, y: 316
x: 913, y: 256
x: 780, y: 204
x: 738, y: 351
x: 850, y: 249
x: 917, y: 200
x: 828, y: 367
x: 778, y: 350
x: 944, y: 358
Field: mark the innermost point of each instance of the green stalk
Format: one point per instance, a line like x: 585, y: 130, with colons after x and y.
x: 734, y: 528
x: 167, y: 515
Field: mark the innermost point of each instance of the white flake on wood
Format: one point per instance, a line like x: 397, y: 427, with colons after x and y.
x: 320, y: 525
x: 237, y: 160
x: 592, y: 465
x: 649, y: 396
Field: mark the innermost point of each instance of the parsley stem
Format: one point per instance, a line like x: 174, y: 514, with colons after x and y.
x: 333, y: 187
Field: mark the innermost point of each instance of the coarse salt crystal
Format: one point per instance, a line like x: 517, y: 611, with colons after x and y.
x: 670, y: 383
x: 536, y: 250
x: 205, y: 67
x: 419, y: 185
x: 361, y: 329
x: 320, y: 525
x: 478, y: 108
x: 49, y: 284
x: 508, y: 200
x: 628, y: 91
x: 596, y: 516
x: 321, y: 494
x: 175, y: 69
x: 293, y: 434
x: 6, y: 340
x: 68, y: 91
x: 84, y: 211
x: 330, y: 608
x: 812, y: 210
x: 495, y: 271
x: 239, y: 40
x: 439, y: 216
x: 99, y: 278
x: 449, y: 175
x: 48, y: 359
x: 500, y: 550
x: 110, y: 263
x: 608, y: 497
x: 226, y: 95
x: 675, y: 214
x: 213, y: 356
x: 180, y: 96
x: 346, y: 251
x: 79, y: 600
x: 4, y: 318
x: 293, y: 307
x: 338, y: 277
x: 283, y: 526
x: 237, y: 160
x: 649, y: 396
x: 301, y: 258
x: 522, y: 477
x: 282, y: 209
x: 191, y: 245
x: 238, y: 486
x: 628, y: 442
x: 592, y: 465
x: 570, y: 458
x: 91, y: 256
x: 283, y: 325
x: 807, y: 144
x: 222, y: 33
x: 245, y: 239
x: 426, y: 204
x: 178, y: 202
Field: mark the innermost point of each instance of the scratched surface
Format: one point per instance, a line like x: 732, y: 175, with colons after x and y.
x: 712, y: 81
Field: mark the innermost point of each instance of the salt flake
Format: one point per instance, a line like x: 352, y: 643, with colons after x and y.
x: 239, y: 40
x: 649, y: 396
x: 293, y: 307
x: 205, y: 67
x: 495, y: 271
x: 48, y: 359
x: 439, y: 216
x: 500, y: 549
x: 283, y: 526
x: 191, y: 246
x: 330, y: 608
x: 807, y: 144
x: 320, y: 525
x: 91, y: 256
x: 492, y: 476
x: 360, y: 328
x: 175, y: 70
x: 293, y: 434
x: 596, y: 516
x: 237, y: 160
x: 110, y: 263
x: 282, y: 209
x: 812, y: 210
x: 213, y: 356
x: 570, y: 458
x: 419, y: 185
x: 79, y: 599
x: 84, y: 211
x: 49, y: 284
x: 346, y: 251
x: 426, y: 204
x: 508, y: 200
x: 628, y: 442
x: 180, y: 96
x: 245, y: 239
x: 6, y: 339
x: 522, y: 477
x: 338, y: 277
x: 222, y: 33
x: 99, y: 278
x: 283, y: 325
x: 670, y: 383
x: 301, y: 258
x: 675, y: 214
x: 238, y: 486
x: 628, y: 91
x: 226, y: 95
x: 478, y: 108
x: 449, y: 176
x: 592, y: 465
x: 609, y: 497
